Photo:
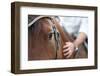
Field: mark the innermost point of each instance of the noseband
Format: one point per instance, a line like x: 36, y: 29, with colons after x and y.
x: 54, y: 31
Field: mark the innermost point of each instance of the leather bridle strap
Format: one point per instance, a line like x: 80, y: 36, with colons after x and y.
x: 56, y: 36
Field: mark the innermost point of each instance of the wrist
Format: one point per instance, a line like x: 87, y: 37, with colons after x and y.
x: 76, y: 47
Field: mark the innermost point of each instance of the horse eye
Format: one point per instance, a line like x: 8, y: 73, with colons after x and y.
x: 50, y: 36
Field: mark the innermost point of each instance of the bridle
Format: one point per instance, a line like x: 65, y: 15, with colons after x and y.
x: 54, y: 31
x: 56, y: 36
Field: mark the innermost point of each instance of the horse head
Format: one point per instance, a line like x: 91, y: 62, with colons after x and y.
x: 44, y: 41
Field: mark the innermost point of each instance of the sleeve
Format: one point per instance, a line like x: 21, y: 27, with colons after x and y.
x: 61, y: 21
x: 84, y: 26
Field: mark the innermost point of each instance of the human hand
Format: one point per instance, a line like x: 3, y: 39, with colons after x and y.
x: 69, y: 50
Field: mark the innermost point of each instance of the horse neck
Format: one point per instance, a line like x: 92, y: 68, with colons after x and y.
x: 65, y: 36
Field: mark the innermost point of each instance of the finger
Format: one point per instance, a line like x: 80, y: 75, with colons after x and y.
x: 65, y: 46
x: 66, y: 50
x: 67, y: 43
x: 69, y: 55
x: 66, y: 54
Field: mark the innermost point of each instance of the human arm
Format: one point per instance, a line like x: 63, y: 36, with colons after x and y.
x: 70, y: 47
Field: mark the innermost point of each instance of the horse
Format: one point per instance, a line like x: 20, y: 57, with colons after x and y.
x: 46, y: 39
